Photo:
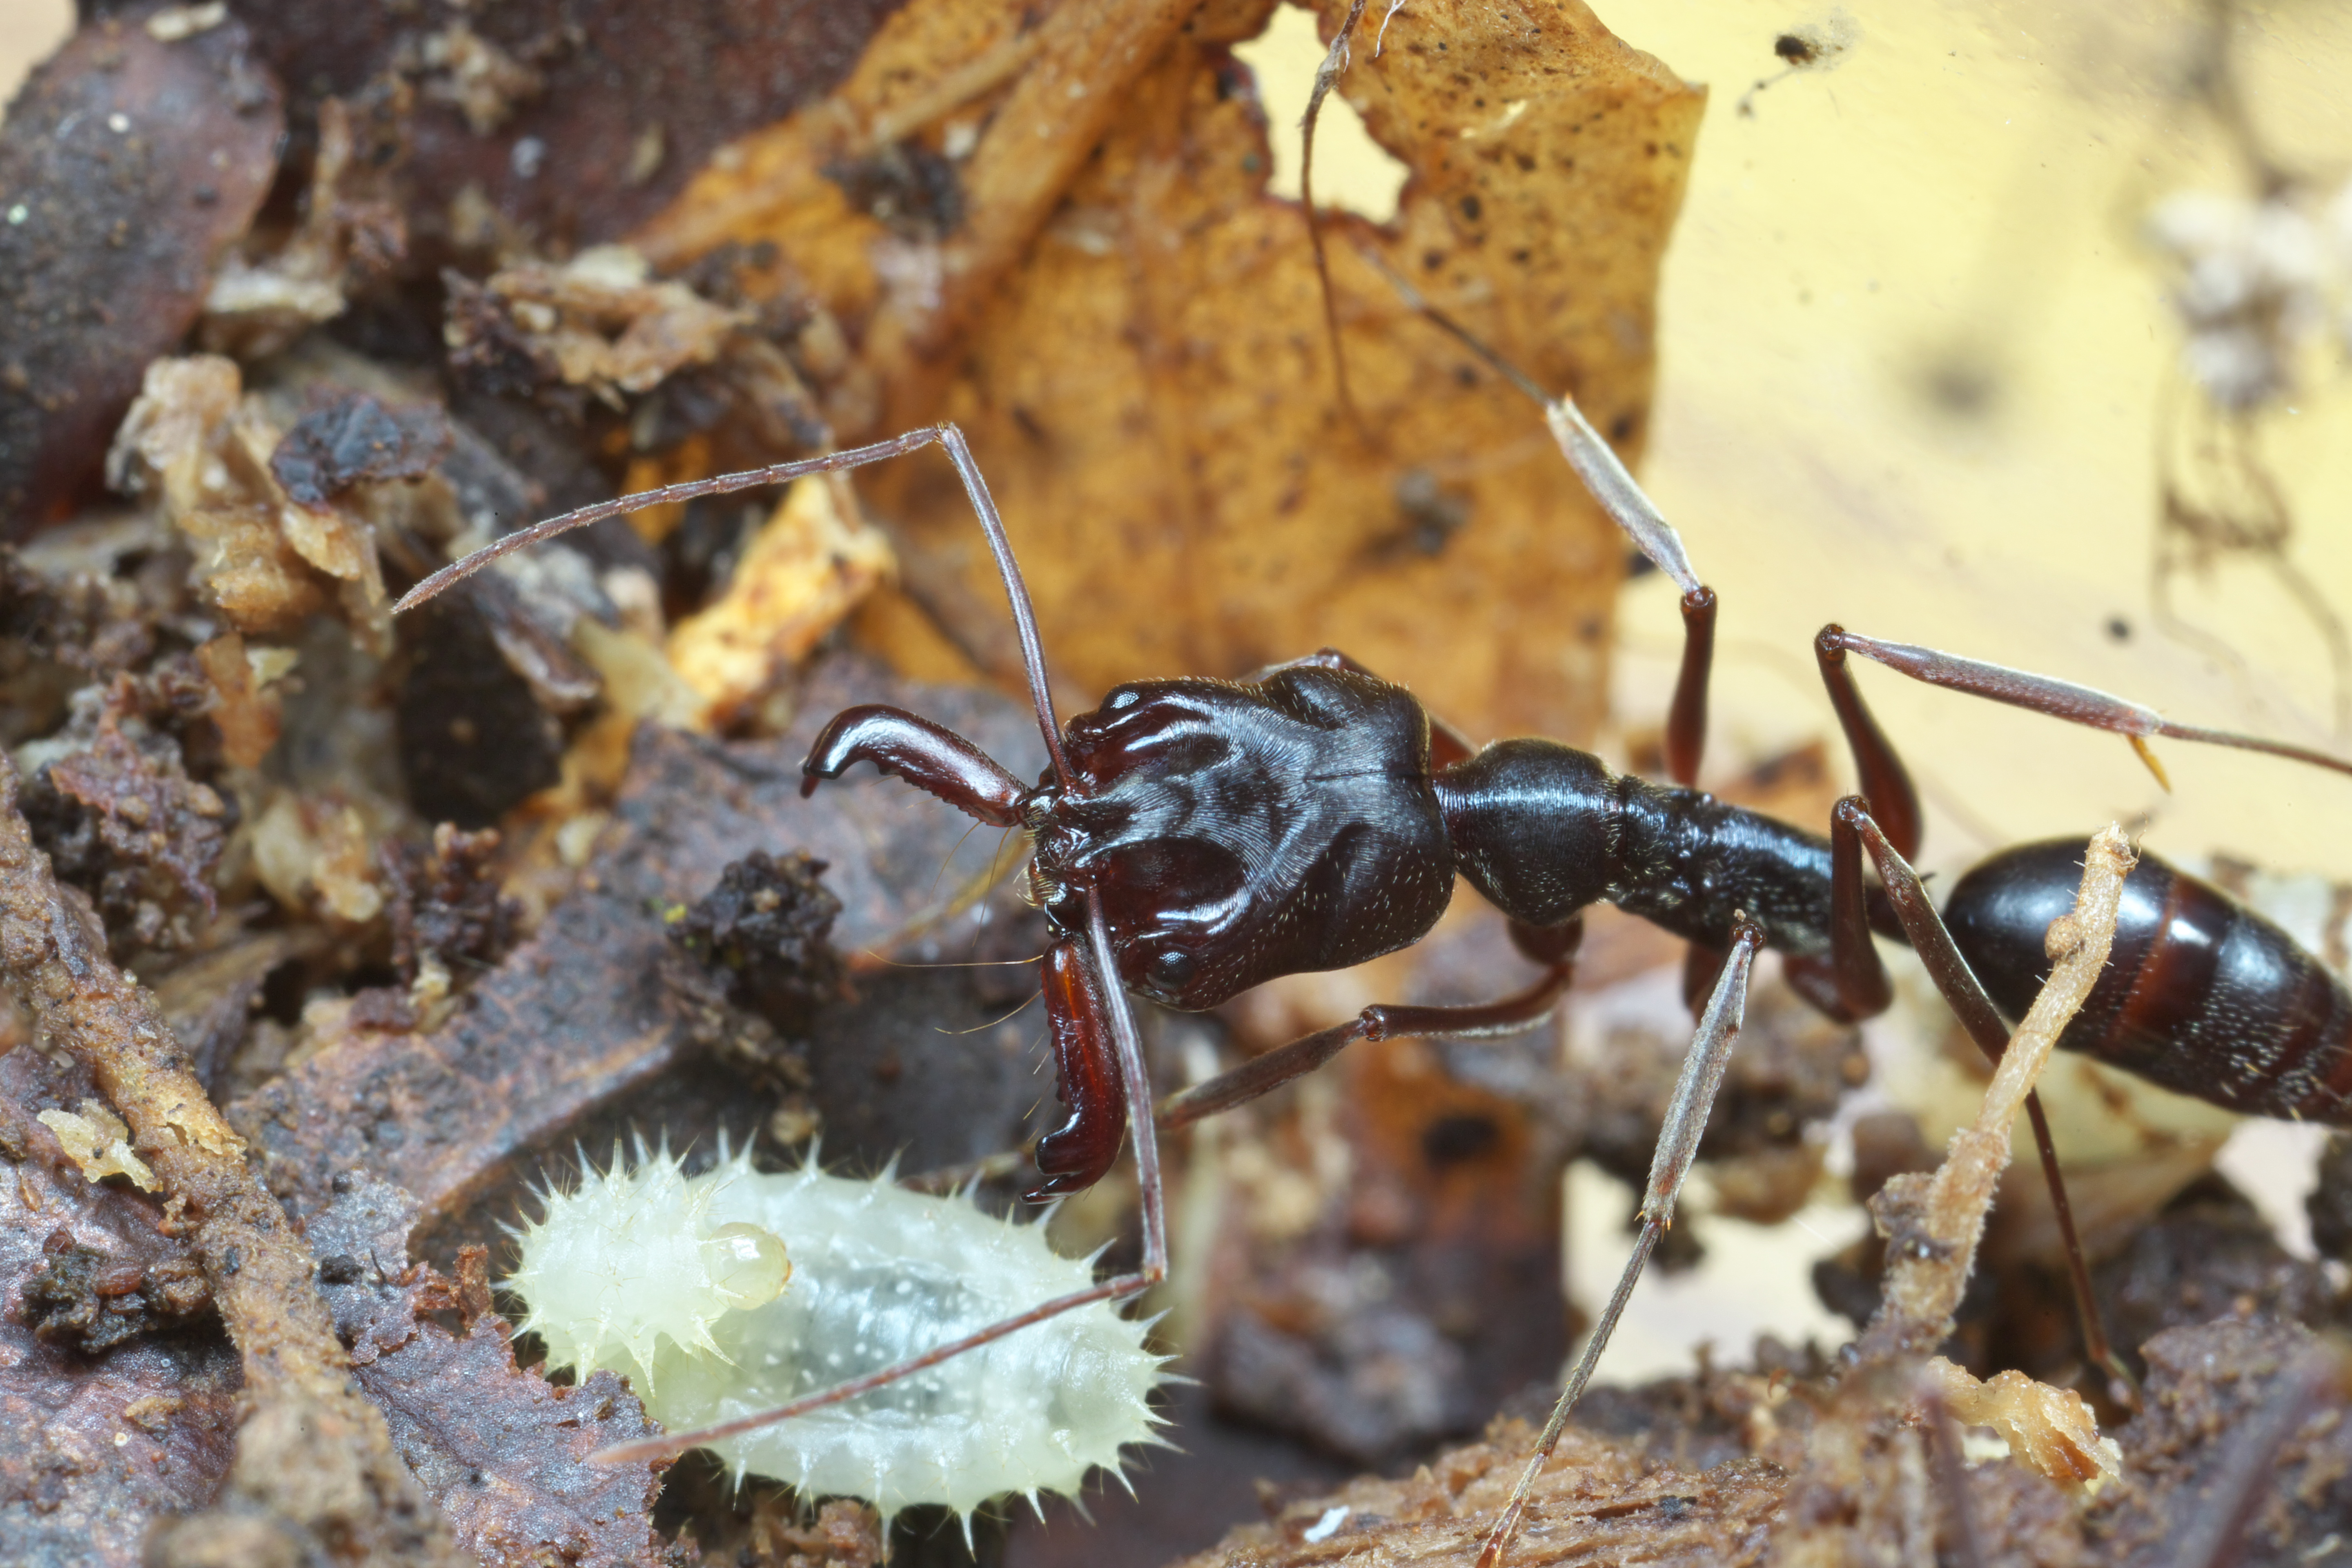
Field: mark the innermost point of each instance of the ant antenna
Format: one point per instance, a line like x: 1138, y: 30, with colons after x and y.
x: 1594, y: 460
x: 948, y: 438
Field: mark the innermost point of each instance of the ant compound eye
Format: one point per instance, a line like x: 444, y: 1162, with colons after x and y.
x: 1173, y: 970
x: 1125, y: 697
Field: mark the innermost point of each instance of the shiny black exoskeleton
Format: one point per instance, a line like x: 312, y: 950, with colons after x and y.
x: 2201, y: 993
x: 1236, y: 831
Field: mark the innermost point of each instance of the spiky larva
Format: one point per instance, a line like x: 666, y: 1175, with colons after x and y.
x: 680, y: 1283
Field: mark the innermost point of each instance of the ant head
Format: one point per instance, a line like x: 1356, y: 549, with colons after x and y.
x: 1237, y: 832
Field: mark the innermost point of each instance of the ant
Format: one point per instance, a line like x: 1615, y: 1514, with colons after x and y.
x: 1192, y: 837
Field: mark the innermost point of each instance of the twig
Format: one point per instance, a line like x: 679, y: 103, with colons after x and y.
x: 1934, y: 1223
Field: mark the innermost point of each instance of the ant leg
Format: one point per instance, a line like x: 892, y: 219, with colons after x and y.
x: 1885, y: 782
x: 1554, y: 946
x: 1127, y: 1051
x: 1609, y: 483
x: 1686, y: 1116
x: 1687, y: 720
x: 2060, y: 700
x: 1852, y: 830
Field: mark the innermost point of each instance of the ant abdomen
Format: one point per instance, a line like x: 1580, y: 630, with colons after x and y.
x: 2201, y: 994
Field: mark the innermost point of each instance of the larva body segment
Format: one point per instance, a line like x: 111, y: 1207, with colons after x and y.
x: 627, y: 1272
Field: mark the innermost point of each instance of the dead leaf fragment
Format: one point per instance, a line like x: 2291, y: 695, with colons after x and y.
x: 497, y: 1448
x: 597, y: 321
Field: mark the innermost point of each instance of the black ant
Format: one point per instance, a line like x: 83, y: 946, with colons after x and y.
x: 1191, y: 838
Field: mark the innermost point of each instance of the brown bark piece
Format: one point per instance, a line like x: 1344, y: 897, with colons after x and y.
x: 1600, y: 1504
x: 499, y: 1448
x: 135, y: 164
x: 315, y: 1469
x: 2206, y: 1390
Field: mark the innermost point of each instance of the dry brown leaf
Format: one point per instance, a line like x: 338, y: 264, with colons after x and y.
x: 1149, y: 392
x: 500, y: 1451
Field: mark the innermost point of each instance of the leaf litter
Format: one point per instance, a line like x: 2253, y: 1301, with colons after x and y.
x: 424, y: 904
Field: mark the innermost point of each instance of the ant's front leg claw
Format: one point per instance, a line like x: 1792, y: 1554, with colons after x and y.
x: 929, y: 756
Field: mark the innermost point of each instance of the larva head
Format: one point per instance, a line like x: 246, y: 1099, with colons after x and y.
x: 636, y: 1257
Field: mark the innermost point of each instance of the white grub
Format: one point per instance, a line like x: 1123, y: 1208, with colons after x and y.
x: 665, y: 1278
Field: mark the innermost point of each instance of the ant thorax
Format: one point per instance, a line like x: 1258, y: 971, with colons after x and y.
x: 1238, y: 831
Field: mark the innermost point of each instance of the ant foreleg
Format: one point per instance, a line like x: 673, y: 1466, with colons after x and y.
x: 1678, y: 1140
x: 1554, y: 946
x: 1852, y: 830
x: 1127, y: 1049
x: 2058, y: 700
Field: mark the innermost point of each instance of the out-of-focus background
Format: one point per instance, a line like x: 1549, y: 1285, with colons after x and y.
x: 1922, y: 373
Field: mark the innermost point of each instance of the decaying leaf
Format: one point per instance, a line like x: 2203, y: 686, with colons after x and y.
x: 499, y: 1450
x: 1149, y: 392
x: 598, y: 1001
x: 598, y: 321
x: 106, y: 1424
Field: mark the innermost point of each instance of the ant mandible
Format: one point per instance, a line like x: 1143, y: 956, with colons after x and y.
x: 1191, y: 838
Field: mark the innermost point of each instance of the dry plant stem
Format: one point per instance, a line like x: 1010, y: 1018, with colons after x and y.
x: 313, y: 1450
x: 1686, y: 1115
x: 1929, y: 1263
x: 1155, y: 1260
x: 1966, y: 996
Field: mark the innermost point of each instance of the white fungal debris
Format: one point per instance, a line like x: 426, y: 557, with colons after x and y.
x: 734, y: 1291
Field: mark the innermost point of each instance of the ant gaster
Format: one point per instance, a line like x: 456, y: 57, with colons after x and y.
x: 1191, y: 838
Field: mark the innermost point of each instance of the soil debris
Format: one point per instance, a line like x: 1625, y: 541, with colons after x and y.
x: 769, y: 924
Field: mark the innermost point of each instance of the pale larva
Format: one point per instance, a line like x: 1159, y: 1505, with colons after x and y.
x: 681, y: 1284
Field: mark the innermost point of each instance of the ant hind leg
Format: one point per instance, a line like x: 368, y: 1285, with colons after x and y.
x: 1678, y: 1139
